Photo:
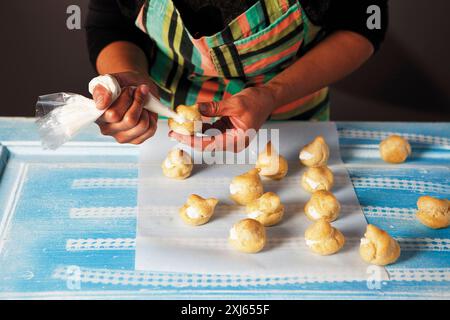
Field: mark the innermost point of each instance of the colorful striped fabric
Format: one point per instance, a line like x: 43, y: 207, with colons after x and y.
x: 254, y: 48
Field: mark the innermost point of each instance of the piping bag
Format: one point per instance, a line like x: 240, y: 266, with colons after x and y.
x: 61, y: 116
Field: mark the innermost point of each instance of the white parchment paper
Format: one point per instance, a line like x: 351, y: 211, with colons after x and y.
x: 166, y: 243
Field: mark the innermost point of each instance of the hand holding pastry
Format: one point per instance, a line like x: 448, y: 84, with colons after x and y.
x: 198, y: 211
x: 317, y: 178
x: 315, y: 154
x: 248, y: 236
x: 323, y: 239
x: 192, y: 123
x: 378, y: 247
x: 433, y: 212
x: 322, y: 205
x: 271, y: 164
x: 246, y: 187
x: 395, y: 149
x: 177, y: 165
x: 267, y: 209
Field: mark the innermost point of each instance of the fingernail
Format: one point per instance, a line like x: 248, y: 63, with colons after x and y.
x: 99, y: 100
x: 145, y: 89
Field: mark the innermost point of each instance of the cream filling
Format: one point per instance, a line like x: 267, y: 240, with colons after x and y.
x: 313, y: 184
x: 364, y: 241
x: 193, y: 213
x: 168, y: 164
x: 255, y: 214
x: 314, y: 213
x: 234, y: 189
x: 305, y: 155
x: 233, y: 234
x: 311, y: 243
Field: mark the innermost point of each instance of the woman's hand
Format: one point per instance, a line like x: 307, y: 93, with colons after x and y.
x: 125, y: 119
x: 242, y: 115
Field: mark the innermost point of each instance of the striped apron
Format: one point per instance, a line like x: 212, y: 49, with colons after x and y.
x: 250, y: 51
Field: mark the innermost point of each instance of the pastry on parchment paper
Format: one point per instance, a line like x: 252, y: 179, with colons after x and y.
x: 317, y: 178
x: 267, y: 209
x: 271, y: 164
x: 197, y: 210
x: 246, y: 187
x: 322, y: 205
x: 322, y: 238
x: 248, y: 236
x: 315, y: 153
x: 177, y: 165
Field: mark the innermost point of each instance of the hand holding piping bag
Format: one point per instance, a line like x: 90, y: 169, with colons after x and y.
x: 132, y: 117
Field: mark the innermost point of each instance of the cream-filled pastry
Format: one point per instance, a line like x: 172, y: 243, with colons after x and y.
x: 271, y: 164
x: 433, y: 212
x: 246, y: 187
x: 317, y: 178
x: 192, y: 120
x: 378, y: 247
x: 248, y: 236
x: 198, y: 211
x: 315, y: 153
x: 395, y: 149
x: 322, y: 205
x: 177, y: 165
x: 267, y: 209
x: 322, y: 238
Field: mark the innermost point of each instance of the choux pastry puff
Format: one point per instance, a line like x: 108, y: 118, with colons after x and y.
x: 315, y: 154
x: 192, y: 117
x: 322, y: 205
x: 395, y: 149
x: 317, y: 178
x: 248, y: 236
x: 198, y: 211
x: 271, y: 164
x: 433, y: 212
x: 378, y: 247
x: 246, y: 187
x: 177, y: 165
x: 267, y: 209
x: 323, y: 239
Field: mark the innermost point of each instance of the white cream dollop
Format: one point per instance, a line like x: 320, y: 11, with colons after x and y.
x: 364, y: 241
x: 193, y: 213
x: 305, y: 155
x: 255, y: 214
x: 311, y: 183
x: 233, y: 234
x: 314, y: 213
x: 310, y: 243
x: 234, y: 188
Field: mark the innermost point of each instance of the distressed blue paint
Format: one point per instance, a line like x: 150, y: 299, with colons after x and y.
x: 40, y: 225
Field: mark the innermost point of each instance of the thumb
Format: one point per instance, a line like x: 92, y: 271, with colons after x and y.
x: 213, y: 108
x: 102, y: 97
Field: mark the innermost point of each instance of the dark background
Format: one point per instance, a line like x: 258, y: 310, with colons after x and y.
x: 408, y: 80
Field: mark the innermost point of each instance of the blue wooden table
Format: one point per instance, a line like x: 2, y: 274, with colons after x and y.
x: 67, y: 221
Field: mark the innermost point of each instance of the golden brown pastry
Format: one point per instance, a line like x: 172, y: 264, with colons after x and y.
x: 433, y: 212
x: 322, y: 205
x: 248, y: 236
x: 267, y: 209
x: 177, y: 165
x: 198, y: 211
x: 315, y: 153
x: 317, y: 178
x: 192, y: 123
x: 271, y: 164
x: 378, y: 247
x: 323, y: 239
x: 395, y: 149
x: 246, y: 187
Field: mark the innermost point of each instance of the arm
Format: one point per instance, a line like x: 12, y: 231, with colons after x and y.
x: 117, y: 47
